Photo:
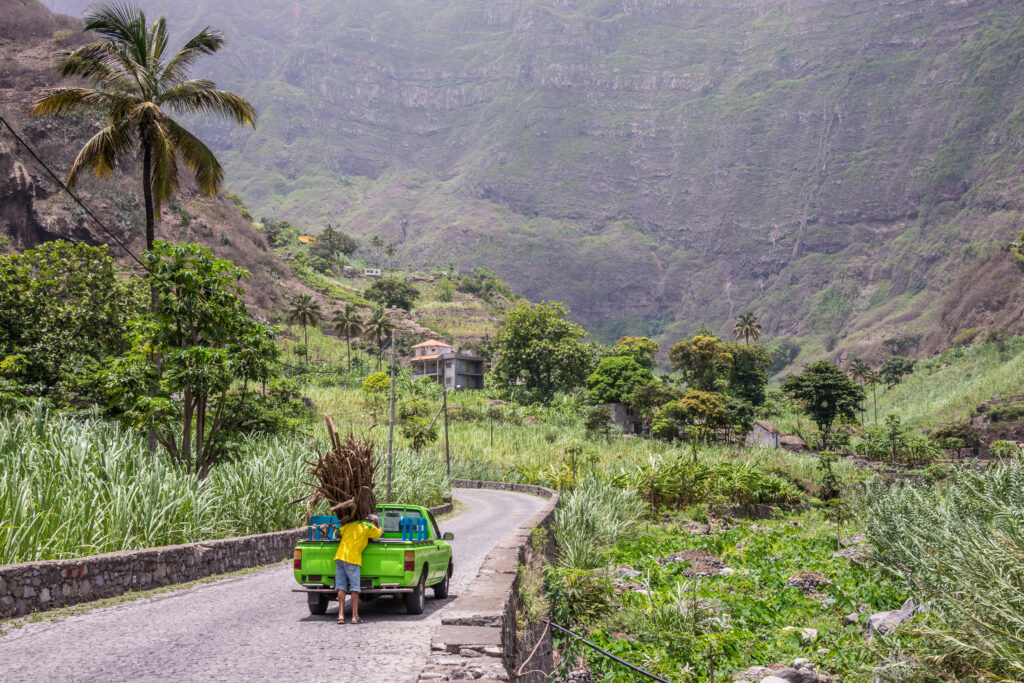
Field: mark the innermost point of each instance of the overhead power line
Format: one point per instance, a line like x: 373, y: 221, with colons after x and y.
x: 71, y: 194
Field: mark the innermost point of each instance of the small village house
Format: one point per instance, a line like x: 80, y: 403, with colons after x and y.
x: 444, y: 364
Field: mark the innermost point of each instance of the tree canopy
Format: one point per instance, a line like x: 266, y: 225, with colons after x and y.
x: 640, y: 349
x: 615, y: 380
x: 539, y: 352
x: 390, y: 292
x: 826, y: 394
x: 703, y: 361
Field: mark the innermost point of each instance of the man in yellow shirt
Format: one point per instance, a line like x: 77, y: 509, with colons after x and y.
x: 349, y: 560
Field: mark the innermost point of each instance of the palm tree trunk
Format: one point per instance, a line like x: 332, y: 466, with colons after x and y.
x: 305, y: 340
x: 348, y: 351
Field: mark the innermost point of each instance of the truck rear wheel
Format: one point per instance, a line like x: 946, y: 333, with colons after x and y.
x: 441, y: 589
x: 416, y: 601
x: 318, y: 603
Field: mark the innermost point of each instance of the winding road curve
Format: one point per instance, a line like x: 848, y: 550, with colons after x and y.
x: 252, y: 628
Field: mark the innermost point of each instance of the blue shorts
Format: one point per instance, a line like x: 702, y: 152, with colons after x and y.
x: 346, y: 576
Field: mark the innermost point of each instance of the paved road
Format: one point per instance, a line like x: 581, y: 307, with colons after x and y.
x: 252, y: 628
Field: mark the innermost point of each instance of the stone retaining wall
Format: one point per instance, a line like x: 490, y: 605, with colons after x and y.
x: 482, y: 626
x: 33, y: 586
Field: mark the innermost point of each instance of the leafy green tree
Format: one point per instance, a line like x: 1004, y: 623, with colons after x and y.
x: 379, y: 326
x: 861, y: 373
x: 304, y: 311
x: 63, y: 308
x: 347, y: 323
x: 539, y: 352
x: 445, y: 290
x: 705, y: 411
x: 647, y: 399
x: 895, y: 368
x: 206, y: 342
x: 826, y: 394
x: 135, y: 85
x: 390, y: 292
x: 420, y: 431
x: 615, y: 380
x: 748, y: 373
x: 703, y: 361
x: 746, y: 326
x: 640, y: 349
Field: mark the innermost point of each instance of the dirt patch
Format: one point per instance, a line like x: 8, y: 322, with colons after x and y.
x: 702, y: 563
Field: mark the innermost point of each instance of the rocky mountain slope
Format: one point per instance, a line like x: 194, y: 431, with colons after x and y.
x: 842, y: 168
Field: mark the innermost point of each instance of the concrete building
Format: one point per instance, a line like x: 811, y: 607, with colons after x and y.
x: 443, y: 363
x: 625, y: 419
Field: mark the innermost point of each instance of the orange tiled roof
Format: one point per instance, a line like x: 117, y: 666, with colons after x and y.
x: 432, y: 342
x: 416, y: 358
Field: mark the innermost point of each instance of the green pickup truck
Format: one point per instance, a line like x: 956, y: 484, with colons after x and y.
x: 410, y: 556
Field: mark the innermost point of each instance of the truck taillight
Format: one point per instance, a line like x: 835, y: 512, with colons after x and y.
x: 297, y: 565
x: 410, y: 561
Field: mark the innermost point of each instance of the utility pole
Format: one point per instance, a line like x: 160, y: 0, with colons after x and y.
x: 447, y: 456
x: 391, y: 421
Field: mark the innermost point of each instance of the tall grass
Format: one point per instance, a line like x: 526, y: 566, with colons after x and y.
x: 960, y: 548
x: 951, y: 385
x: 73, y: 487
x: 591, y: 519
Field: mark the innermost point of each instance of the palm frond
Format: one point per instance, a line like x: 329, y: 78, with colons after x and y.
x: 197, y: 156
x: 101, y: 63
x: 70, y: 101
x: 206, y: 42
x: 200, y: 96
x: 157, y: 40
x: 121, y: 23
x: 100, y: 153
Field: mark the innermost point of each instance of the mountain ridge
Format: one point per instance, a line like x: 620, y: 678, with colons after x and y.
x: 835, y: 167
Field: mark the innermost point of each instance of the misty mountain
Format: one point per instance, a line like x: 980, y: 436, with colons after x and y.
x: 847, y: 170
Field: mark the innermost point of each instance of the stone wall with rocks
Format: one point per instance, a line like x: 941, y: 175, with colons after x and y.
x: 480, y: 636
x: 33, y: 586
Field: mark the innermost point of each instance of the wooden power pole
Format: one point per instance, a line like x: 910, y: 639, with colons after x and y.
x: 391, y: 421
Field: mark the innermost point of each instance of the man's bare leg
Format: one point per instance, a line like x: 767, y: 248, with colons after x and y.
x: 341, y: 605
x: 355, y: 606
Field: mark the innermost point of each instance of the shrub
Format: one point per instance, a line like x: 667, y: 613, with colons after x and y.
x: 377, y: 382
x: 1006, y: 413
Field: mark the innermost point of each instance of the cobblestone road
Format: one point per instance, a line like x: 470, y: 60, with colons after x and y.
x: 253, y: 628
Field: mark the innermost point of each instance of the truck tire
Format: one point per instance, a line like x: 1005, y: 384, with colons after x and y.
x: 416, y: 601
x: 441, y: 589
x: 318, y: 603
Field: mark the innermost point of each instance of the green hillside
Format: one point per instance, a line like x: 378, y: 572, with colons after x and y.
x: 847, y: 170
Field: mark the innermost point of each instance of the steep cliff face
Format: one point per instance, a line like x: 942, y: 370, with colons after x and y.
x: 33, y: 209
x: 836, y: 166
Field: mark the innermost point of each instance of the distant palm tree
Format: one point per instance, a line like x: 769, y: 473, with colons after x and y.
x: 873, y: 379
x: 377, y: 242
x: 379, y: 326
x: 134, y: 87
x: 860, y: 371
x: 348, y: 323
x: 390, y: 251
x: 304, y: 311
x: 747, y: 326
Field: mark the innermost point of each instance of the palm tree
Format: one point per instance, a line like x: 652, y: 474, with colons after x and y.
x: 874, y: 379
x: 379, y: 326
x: 747, y: 326
x: 377, y: 242
x: 860, y: 371
x: 304, y: 311
x: 134, y: 87
x: 390, y: 251
x: 348, y: 323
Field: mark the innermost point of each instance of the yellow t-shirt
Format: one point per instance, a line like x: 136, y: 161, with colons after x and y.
x: 354, y: 537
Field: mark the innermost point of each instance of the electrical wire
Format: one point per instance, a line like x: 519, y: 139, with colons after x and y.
x: 71, y: 194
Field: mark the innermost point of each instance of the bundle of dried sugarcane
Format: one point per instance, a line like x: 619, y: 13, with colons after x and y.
x: 343, y: 476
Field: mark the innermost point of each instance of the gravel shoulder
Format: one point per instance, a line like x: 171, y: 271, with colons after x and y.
x: 253, y: 627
